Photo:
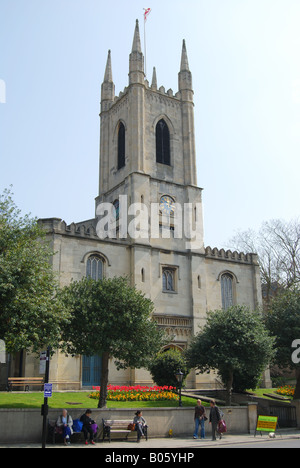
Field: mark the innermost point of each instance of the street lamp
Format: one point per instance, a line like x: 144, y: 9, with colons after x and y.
x: 179, y: 376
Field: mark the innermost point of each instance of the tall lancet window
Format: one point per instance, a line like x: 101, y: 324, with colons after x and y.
x: 227, y: 291
x: 163, y: 143
x: 94, y: 268
x: 121, y: 146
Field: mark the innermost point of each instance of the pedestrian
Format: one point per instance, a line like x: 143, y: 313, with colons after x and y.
x: 87, y: 428
x: 140, y: 425
x: 214, y: 418
x: 65, y: 423
x: 199, y: 418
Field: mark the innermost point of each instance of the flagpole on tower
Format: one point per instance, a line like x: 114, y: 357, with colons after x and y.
x: 146, y: 14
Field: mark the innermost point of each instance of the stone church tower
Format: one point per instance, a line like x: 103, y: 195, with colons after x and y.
x: 147, y: 147
x: 148, y: 175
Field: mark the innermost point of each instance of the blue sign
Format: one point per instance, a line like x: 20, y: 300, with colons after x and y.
x: 47, y: 390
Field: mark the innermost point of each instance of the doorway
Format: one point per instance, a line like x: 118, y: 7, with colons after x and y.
x: 91, y: 370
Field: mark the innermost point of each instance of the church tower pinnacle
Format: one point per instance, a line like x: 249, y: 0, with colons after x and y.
x: 154, y: 79
x: 108, y: 87
x: 187, y: 100
x: 185, y: 76
x: 136, y: 59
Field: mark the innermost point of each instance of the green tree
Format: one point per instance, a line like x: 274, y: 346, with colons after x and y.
x: 232, y: 342
x: 30, y: 314
x: 166, y: 364
x: 111, y: 318
x: 283, y: 321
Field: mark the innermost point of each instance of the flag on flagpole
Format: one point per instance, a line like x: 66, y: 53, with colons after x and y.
x: 147, y: 13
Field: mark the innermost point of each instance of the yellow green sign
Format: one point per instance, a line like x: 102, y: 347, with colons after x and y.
x: 267, y: 423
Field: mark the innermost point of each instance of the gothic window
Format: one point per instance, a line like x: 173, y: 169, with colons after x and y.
x: 163, y: 143
x: 168, y: 276
x: 121, y: 146
x: 227, y: 290
x: 116, y: 204
x: 94, y: 267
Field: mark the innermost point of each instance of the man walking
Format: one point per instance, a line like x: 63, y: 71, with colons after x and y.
x: 200, y: 419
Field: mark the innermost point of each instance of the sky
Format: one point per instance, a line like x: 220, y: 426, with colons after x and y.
x: 245, y: 62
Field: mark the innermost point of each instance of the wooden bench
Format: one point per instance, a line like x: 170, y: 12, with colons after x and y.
x: 25, y: 382
x: 118, y: 426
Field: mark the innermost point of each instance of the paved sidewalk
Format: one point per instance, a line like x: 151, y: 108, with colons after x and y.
x: 173, y: 443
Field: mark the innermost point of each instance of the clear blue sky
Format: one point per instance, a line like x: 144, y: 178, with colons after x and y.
x: 245, y: 59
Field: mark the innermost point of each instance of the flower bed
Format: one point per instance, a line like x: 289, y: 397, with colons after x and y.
x: 286, y: 390
x: 137, y: 393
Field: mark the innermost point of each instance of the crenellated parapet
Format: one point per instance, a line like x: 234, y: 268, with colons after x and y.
x: 58, y: 226
x: 239, y: 257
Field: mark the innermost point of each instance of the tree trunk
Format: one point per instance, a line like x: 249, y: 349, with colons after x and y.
x: 229, y: 388
x: 104, y: 381
x: 297, y: 389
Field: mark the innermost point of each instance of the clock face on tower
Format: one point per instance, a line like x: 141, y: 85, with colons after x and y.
x: 167, y: 205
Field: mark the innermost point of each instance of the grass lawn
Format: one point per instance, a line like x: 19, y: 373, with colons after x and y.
x: 81, y: 400
x: 78, y: 400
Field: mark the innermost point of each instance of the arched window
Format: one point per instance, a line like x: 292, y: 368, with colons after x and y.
x: 116, y: 204
x: 94, y: 267
x: 163, y: 143
x: 121, y: 146
x: 227, y: 290
x: 168, y: 277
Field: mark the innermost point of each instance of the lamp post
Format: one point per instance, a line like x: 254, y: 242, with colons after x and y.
x: 179, y: 376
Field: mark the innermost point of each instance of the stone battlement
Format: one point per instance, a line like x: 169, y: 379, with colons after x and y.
x: 240, y: 257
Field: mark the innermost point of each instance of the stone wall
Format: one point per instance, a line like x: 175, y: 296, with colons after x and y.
x: 25, y: 425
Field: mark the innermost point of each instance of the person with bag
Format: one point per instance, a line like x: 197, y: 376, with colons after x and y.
x: 214, y: 418
x: 222, y: 428
x: 139, y: 424
x: 89, y: 426
x: 199, y: 418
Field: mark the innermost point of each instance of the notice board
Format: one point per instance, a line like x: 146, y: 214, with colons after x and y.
x: 266, y: 424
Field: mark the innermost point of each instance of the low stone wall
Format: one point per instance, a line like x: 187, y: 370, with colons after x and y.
x: 25, y: 425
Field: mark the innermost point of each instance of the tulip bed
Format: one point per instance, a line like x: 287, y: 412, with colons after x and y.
x: 286, y: 390
x: 137, y: 393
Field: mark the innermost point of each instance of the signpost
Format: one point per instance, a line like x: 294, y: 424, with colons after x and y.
x: 48, y: 390
x: 47, y: 394
x: 266, y: 424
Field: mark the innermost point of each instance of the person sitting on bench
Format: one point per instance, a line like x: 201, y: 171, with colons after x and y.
x: 140, y: 424
x: 87, y: 426
x: 65, y: 423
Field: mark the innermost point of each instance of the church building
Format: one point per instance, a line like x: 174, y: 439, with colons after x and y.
x: 148, y: 176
